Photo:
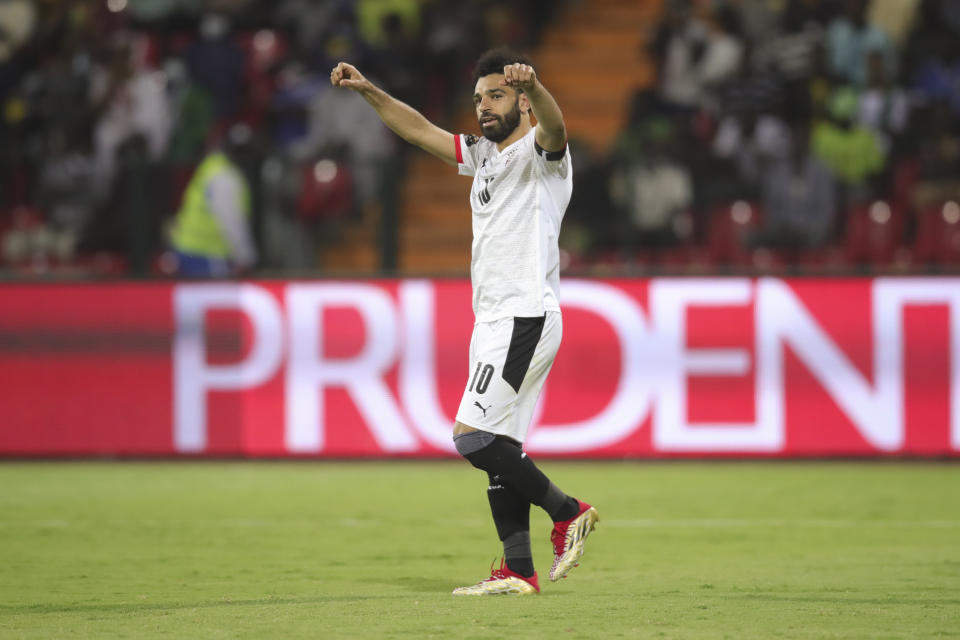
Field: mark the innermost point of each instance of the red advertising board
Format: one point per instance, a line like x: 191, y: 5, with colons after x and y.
x: 648, y: 368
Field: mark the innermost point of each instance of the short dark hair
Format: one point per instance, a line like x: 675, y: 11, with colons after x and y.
x: 494, y: 60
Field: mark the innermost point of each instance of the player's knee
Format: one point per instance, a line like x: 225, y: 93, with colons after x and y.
x: 470, y: 445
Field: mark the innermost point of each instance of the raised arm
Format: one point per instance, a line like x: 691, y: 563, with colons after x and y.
x: 551, y: 133
x: 407, y: 122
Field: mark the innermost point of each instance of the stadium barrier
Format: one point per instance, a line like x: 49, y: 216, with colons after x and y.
x: 667, y: 367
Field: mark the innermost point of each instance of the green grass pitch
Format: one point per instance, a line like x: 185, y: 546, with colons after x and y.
x: 372, y: 550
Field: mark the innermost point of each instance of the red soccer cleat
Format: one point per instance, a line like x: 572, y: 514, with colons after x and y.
x: 502, y: 581
x: 568, y: 537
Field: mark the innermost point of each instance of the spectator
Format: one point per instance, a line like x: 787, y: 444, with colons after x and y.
x: 309, y: 21
x: 760, y: 20
x: 799, y: 197
x: 651, y: 186
x: 883, y: 107
x: 724, y: 47
x: 931, y: 31
x: 371, y: 14
x: 791, y: 53
x: 750, y: 140
x: 211, y: 236
x: 852, y: 152
x: 131, y: 101
x: 451, y: 42
x: 216, y: 63
x: 584, y: 232
x: 755, y: 89
x: 63, y: 88
x: 938, y: 77
x: 676, y: 47
x: 694, y: 56
x: 938, y: 172
x: 66, y: 190
x: 343, y: 120
x: 295, y: 87
x: 950, y: 11
x: 895, y: 17
x: 192, y: 110
x: 814, y: 92
x: 398, y: 61
x: 747, y: 130
x: 341, y: 41
x: 851, y: 38
x: 18, y: 18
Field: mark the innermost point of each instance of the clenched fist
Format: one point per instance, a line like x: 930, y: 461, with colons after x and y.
x: 521, y: 76
x: 346, y: 75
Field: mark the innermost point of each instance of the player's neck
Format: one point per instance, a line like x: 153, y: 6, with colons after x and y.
x: 522, y: 129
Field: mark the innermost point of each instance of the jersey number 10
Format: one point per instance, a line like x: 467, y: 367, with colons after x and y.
x: 481, y: 377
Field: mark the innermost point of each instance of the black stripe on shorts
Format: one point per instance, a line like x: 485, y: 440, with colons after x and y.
x: 523, y: 342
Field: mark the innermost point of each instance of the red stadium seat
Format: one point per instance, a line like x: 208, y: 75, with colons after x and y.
x: 938, y: 236
x: 326, y: 191
x: 830, y: 259
x: 768, y: 260
x: 684, y: 259
x: 728, y: 229
x: 874, y: 234
x: 673, y: 258
x: 904, y: 179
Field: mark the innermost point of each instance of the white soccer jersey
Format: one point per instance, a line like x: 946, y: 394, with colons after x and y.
x: 518, y: 199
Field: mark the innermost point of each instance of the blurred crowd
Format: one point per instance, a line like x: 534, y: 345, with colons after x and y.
x: 779, y: 133
x: 110, y: 107
x: 805, y: 134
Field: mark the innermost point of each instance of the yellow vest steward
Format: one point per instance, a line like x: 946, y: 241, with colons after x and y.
x: 197, y: 230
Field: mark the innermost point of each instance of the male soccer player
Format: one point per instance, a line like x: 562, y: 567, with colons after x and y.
x: 522, y: 180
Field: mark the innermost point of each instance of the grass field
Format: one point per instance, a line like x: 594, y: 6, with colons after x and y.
x: 372, y: 550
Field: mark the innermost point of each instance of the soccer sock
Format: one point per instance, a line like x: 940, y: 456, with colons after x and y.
x: 505, y: 459
x: 516, y: 551
x: 559, y: 505
x: 511, y: 515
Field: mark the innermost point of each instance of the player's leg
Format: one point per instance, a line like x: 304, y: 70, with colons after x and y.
x: 505, y: 460
x: 511, y: 516
x: 509, y: 506
x: 573, y: 519
x: 509, y: 362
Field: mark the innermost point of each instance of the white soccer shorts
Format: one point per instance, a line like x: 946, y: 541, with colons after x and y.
x: 509, y: 362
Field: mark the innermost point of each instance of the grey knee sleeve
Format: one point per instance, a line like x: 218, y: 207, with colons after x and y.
x: 517, y: 545
x: 473, y: 441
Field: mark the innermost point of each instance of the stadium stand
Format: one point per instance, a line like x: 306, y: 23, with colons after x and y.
x: 719, y: 96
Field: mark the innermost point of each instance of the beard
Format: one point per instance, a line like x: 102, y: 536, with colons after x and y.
x: 505, y: 125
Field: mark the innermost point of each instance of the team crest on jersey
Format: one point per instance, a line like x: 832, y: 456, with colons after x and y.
x: 471, y: 139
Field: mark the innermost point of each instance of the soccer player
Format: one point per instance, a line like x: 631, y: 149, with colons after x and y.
x: 522, y: 180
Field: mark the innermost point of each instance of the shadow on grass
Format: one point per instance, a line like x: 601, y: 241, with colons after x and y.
x: 173, y: 606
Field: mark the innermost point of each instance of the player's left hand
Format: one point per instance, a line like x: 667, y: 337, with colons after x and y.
x: 521, y: 76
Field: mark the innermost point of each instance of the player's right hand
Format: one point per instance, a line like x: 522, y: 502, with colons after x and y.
x: 346, y: 75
